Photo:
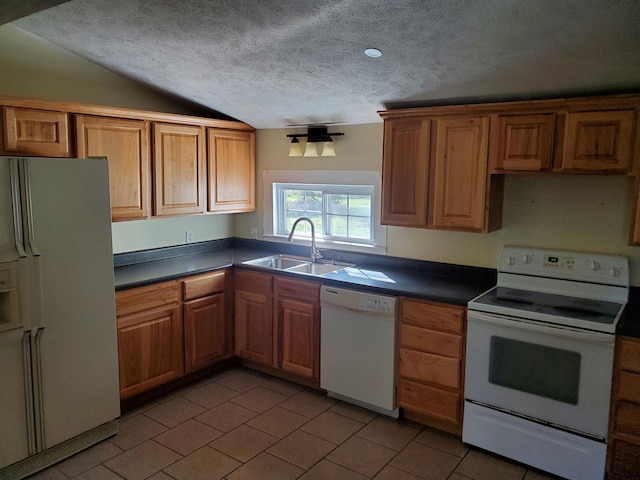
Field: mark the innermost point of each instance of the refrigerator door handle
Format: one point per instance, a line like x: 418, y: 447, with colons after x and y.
x: 17, y: 207
x: 28, y: 391
x: 36, y: 367
x: 30, y: 224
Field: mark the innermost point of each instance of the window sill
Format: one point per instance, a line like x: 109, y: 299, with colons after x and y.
x: 331, y: 245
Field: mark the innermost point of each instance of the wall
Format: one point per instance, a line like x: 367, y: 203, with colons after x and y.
x: 578, y: 212
x: 34, y: 68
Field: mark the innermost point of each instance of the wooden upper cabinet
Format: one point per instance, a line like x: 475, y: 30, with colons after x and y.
x: 35, y: 132
x: 231, y: 171
x: 178, y: 169
x: 459, y: 176
x: 405, y: 168
x: 126, y: 145
x: 599, y: 141
x: 522, y: 143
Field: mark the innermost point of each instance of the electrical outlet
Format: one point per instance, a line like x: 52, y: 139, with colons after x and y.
x: 189, y: 236
x: 254, y: 233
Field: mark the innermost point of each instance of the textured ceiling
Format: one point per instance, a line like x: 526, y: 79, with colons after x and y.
x: 277, y: 63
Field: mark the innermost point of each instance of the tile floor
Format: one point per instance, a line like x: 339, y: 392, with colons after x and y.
x: 241, y: 425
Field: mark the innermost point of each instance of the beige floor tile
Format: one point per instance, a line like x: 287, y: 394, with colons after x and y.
x: 226, y: 417
x: 282, y: 386
x: 455, y: 476
x: 388, y: 432
x: 142, y: 461
x: 242, y: 380
x: 308, y: 403
x: 259, y: 399
x: 174, y: 412
x: 203, y: 464
x: 49, y: 474
x: 444, y: 441
x: 210, y: 395
x: 535, y: 475
x: 138, y: 409
x: 278, y: 422
x: 160, y: 476
x: 266, y: 467
x: 87, y: 459
x: 98, y: 473
x: 361, y: 455
x: 482, y: 466
x: 354, y: 412
x: 301, y: 449
x: 332, y: 427
x: 136, y: 430
x: 244, y: 443
x: 393, y: 473
x: 426, y: 462
x: 188, y: 436
x: 325, y: 470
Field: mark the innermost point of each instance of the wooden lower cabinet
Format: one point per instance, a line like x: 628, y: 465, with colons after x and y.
x: 623, y: 454
x: 150, y: 348
x: 205, y: 320
x: 298, y: 316
x: 254, y: 316
x: 431, y: 370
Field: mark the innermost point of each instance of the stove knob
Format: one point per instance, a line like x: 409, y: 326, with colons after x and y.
x: 593, y: 265
x: 614, y: 272
x: 526, y: 259
x: 511, y: 261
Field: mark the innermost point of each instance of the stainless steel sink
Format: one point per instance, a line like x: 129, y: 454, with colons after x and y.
x: 290, y: 263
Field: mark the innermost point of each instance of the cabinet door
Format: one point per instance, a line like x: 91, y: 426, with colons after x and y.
x: 178, y: 169
x: 300, y: 345
x: 254, y: 317
x: 126, y: 144
x: 459, y: 174
x: 36, y: 132
x: 404, y: 172
x: 598, y: 141
x: 232, y: 171
x: 150, y: 349
x: 204, y: 322
x: 522, y: 142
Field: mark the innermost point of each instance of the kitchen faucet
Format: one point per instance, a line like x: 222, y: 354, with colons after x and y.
x: 314, y: 253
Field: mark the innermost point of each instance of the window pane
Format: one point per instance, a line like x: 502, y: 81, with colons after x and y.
x: 338, y: 226
x: 359, y: 227
x: 360, y: 205
x: 338, y: 204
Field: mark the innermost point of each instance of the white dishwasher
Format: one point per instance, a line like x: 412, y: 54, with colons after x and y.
x: 358, y: 348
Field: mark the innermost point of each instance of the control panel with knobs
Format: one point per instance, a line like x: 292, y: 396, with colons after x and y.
x: 588, y: 267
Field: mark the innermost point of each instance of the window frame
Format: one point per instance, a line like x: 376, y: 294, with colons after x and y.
x: 329, y: 178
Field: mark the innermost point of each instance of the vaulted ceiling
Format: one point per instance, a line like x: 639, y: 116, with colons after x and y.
x: 290, y: 62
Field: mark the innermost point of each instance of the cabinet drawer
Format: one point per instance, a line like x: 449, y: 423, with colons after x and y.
x: 202, y: 285
x: 629, y: 386
x: 144, y: 298
x: 430, y: 368
x: 627, y: 418
x: 431, y: 341
x: 432, y: 315
x: 257, y: 283
x: 297, y: 289
x: 625, y: 460
x: 429, y: 401
x: 630, y: 355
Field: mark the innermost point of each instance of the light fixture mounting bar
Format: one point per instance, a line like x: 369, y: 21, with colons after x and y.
x: 316, y: 134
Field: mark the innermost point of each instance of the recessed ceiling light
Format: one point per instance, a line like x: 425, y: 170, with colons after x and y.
x: 373, y: 52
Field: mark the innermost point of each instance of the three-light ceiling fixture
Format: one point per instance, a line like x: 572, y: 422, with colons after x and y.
x: 314, y: 136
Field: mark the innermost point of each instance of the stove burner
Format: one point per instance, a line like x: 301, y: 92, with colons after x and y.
x: 582, y: 312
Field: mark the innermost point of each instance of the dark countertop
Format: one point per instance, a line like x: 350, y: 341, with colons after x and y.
x: 629, y: 324
x: 380, y: 274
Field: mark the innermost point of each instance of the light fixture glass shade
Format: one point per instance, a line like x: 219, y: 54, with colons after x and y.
x: 311, y: 150
x: 328, y: 149
x: 295, y: 150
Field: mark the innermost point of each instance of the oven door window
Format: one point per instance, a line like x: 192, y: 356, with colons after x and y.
x: 537, y: 369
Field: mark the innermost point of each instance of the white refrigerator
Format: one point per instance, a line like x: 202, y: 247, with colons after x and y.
x: 59, y: 389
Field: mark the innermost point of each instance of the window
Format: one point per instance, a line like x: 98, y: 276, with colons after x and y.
x: 339, y: 212
x: 343, y: 205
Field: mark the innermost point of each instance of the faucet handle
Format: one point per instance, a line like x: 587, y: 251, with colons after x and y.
x: 317, y: 254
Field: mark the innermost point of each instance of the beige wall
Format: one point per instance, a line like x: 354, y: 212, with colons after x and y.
x: 33, y: 68
x: 578, y: 212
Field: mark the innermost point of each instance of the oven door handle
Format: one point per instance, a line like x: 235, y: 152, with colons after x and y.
x: 558, y: 331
